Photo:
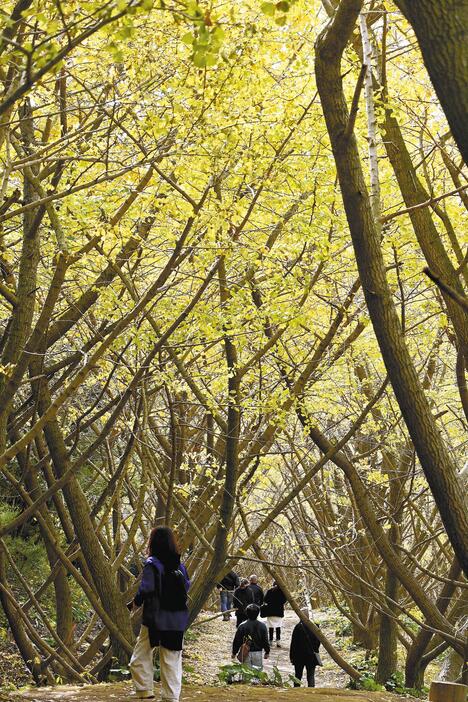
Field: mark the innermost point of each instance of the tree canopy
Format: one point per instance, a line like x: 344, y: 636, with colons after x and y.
x: 214, y: 224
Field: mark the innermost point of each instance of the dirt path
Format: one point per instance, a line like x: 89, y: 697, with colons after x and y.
x: 328, y: 676
x: 212, y: 649
x: 203, y: 656
x: 121, y: 692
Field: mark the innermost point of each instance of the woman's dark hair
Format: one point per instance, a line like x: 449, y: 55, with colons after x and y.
x: 162, y: 543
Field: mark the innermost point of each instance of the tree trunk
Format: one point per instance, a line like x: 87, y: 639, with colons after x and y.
x: 414, y: 668
x: 21, y: 320
x: 63, y: 598
x: 435, y: 460
x: 387, y: 663
x: 104, y: 581
x: 25, y: 647
x: 426, y: 232
x: 441, y: 29
x: 387, y: 660
x: 232, y: 466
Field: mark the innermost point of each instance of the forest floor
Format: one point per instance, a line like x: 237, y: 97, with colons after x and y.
x: 208, y: 647
x: 121, y: 692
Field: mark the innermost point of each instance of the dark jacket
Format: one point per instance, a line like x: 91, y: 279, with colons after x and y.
x: 254, y: 631
x: 229, y: 582
x: 148, y: 591
x: 273, y: 604
x: 257, y: 594
x: 303, y: 645
x: 242, y: 597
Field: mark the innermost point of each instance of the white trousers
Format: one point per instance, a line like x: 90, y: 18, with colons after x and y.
x: 141, y: 668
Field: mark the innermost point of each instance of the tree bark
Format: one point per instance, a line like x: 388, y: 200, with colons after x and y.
x: 441, y: 28
x: 232, y: 464
x: 434, y: 457
x: 414, y: 668
x: 25, y: 647
x: 426, y: 232
x: 78, y: 506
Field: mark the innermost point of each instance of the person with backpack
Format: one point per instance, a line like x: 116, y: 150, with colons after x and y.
x: 163, y: 594
x: 242, y: 598
x: 273, y: 609
x: 304, y: 653
x: 256, y: 590
x: 226, y: 589
x: 251, y: 639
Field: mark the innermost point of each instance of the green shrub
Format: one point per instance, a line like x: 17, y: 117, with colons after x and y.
x: 396, y: 684
x: 241, y: 673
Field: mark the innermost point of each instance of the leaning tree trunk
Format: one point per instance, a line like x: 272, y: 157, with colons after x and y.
x: 426, y: 232
x: 25, y: 647
x: 19, y: 325
x: 441, y: 27
x: 103, y: 578
x: 435, y: 460
x: 226, y: 508
x: 414, y: 666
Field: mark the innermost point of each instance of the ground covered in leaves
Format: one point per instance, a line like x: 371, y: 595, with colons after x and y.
x: 208, y: 647
x: 13, y: 672
x: 121, y: 692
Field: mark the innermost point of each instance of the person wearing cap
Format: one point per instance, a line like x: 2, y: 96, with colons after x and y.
x: 304, y: 653
x: 256, y: 634
x: 242, y: 598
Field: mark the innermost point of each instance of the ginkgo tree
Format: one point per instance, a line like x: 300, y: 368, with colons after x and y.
x: 185, y: 330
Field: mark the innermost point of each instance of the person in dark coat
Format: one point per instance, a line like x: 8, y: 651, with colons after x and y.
x: 256, y: 590
x: 304, y: 646
x: 255, y: 633
x: 242, y: 598
x: 165, y: 617
x: 273, y: 609
x: 226, y: 588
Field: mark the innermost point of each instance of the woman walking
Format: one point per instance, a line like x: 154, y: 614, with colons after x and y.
x: 163, y: 594
x: 273, y: 609
x: 304, y: 653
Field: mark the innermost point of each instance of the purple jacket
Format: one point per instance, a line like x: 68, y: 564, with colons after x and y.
x: 166, y: 621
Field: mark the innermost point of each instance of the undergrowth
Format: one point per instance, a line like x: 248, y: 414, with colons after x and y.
x: 241, y: 673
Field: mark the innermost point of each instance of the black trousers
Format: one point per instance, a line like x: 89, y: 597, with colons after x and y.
x: 310, y: 672
x: 278, y: 633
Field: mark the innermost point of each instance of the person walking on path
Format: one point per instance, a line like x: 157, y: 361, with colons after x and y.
x: 163, y: 594
x: 242, y: 598
x: 226, y: 589
x: 256, y: 590
x: 255, y: 634
x: 304, y: 653
x: 273, y: 609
